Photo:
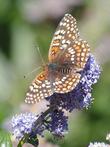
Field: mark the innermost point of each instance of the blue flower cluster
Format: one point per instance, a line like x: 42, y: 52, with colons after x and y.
x: 58, y: 124
x: 54, y: 119
x: 22, y: 124
x: 98, y: 144
x: 29, y: 123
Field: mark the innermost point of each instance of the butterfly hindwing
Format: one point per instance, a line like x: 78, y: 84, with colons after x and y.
x: 39, y: 89
x: 66, y: 83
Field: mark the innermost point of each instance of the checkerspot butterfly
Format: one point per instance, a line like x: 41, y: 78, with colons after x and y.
x: 68, y: 55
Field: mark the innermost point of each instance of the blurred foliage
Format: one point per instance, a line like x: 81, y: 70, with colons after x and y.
x: 19, y: 36
x: 5, y: 140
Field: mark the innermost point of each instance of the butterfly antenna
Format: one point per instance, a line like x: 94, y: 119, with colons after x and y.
x: 25, y: 76
x: 40, y: 54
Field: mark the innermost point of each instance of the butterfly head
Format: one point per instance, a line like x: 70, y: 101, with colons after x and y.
x: 52, y: 66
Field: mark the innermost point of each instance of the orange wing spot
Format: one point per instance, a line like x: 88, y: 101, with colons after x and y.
x: 77, y: 47
x: 55, y: 49
x: 41, y: 77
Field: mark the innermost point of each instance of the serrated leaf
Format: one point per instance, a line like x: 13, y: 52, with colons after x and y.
x: 5, y: 140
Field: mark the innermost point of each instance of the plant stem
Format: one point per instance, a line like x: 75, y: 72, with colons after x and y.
x: 37, y: 123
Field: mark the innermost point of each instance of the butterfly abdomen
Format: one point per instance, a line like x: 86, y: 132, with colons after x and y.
x: 64, y: 70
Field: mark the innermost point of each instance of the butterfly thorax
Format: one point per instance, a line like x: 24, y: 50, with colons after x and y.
x: 60, y: 69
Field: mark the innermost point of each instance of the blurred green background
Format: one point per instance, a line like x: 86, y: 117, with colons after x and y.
x: 24, y: 24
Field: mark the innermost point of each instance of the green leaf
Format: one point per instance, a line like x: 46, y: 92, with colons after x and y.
x: 5, y: 140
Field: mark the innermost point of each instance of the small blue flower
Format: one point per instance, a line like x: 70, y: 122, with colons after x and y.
x: 22, y: 124
x: 98, y: 144
x: 58, y: 124
x: 80, y: 97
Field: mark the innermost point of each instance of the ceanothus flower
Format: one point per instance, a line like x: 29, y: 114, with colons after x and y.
x: 22, y: 124
x: 29, y: 123
x: 58, y: 124
x: 98, y: 144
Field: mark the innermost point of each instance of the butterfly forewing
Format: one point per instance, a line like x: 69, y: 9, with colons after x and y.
x: 67, y: 46
x: 39, y: 89
x: 66, y: 33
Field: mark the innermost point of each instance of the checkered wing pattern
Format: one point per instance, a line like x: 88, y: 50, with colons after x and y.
x: 76, y: 54
x: 66, y: 33
x: 39, y: 89
x: 67, y: 46
x: 67, y: 83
